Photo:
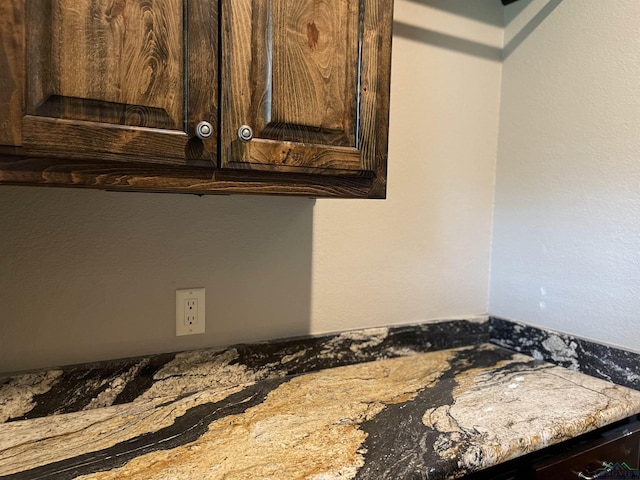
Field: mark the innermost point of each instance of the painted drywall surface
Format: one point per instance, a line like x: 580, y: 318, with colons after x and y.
x: 422, y: 253
x: 566, y: 248
x: 90, y: 275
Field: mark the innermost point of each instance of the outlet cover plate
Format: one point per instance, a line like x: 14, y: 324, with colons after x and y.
x: 190, y: 311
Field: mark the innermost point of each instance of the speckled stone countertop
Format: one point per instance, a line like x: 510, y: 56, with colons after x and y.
x: 437, y: 415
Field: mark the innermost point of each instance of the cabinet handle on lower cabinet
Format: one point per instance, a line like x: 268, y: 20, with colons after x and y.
x: 204, y: 130
x: 607, y: 468
x: 245, y: 133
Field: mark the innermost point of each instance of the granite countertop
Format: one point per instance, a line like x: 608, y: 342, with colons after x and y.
x: 438, y: 414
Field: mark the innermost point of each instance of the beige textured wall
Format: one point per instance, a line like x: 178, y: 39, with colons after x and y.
x: 90, y: 275
x: 566, y: 251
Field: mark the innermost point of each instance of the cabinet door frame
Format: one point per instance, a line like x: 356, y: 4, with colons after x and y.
x: 240, y: 94
x: 45, y: 131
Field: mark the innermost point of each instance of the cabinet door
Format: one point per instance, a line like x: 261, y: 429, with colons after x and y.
x: 617, y: 455
x: 311, y: 79
x: 121, y: 79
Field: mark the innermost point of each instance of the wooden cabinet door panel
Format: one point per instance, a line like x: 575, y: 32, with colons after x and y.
x: 302, y: 74
x: 113, y: 79
x: 11, y: 72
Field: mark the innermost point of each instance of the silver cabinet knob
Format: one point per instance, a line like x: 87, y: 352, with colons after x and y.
x: 204, y: 130
x: 245, y: 133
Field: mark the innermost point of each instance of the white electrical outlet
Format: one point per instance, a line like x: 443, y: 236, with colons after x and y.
x: 189, y: 311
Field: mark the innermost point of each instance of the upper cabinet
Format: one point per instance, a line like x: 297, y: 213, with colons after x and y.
x: 112, y: 79
x: 124, y: 94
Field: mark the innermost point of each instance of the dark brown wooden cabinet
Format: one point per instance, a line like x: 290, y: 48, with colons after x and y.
x: 111, y: 94
x: 614, y: 454
x: 117, y: 80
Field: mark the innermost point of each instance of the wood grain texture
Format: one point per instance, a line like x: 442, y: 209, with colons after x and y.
x: 115, y: 51
x: 315, y: 56
x: 12, y: 71
x: 375, y: 92
x: 202, y: 70
x: 84, y: 139
x: 290, y: 70
x: 234, y: 71
x: 295, y: 157
x: 309, y: 73
x: 144, y: 177
x: 121, y: 77
x: 114, y: 89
